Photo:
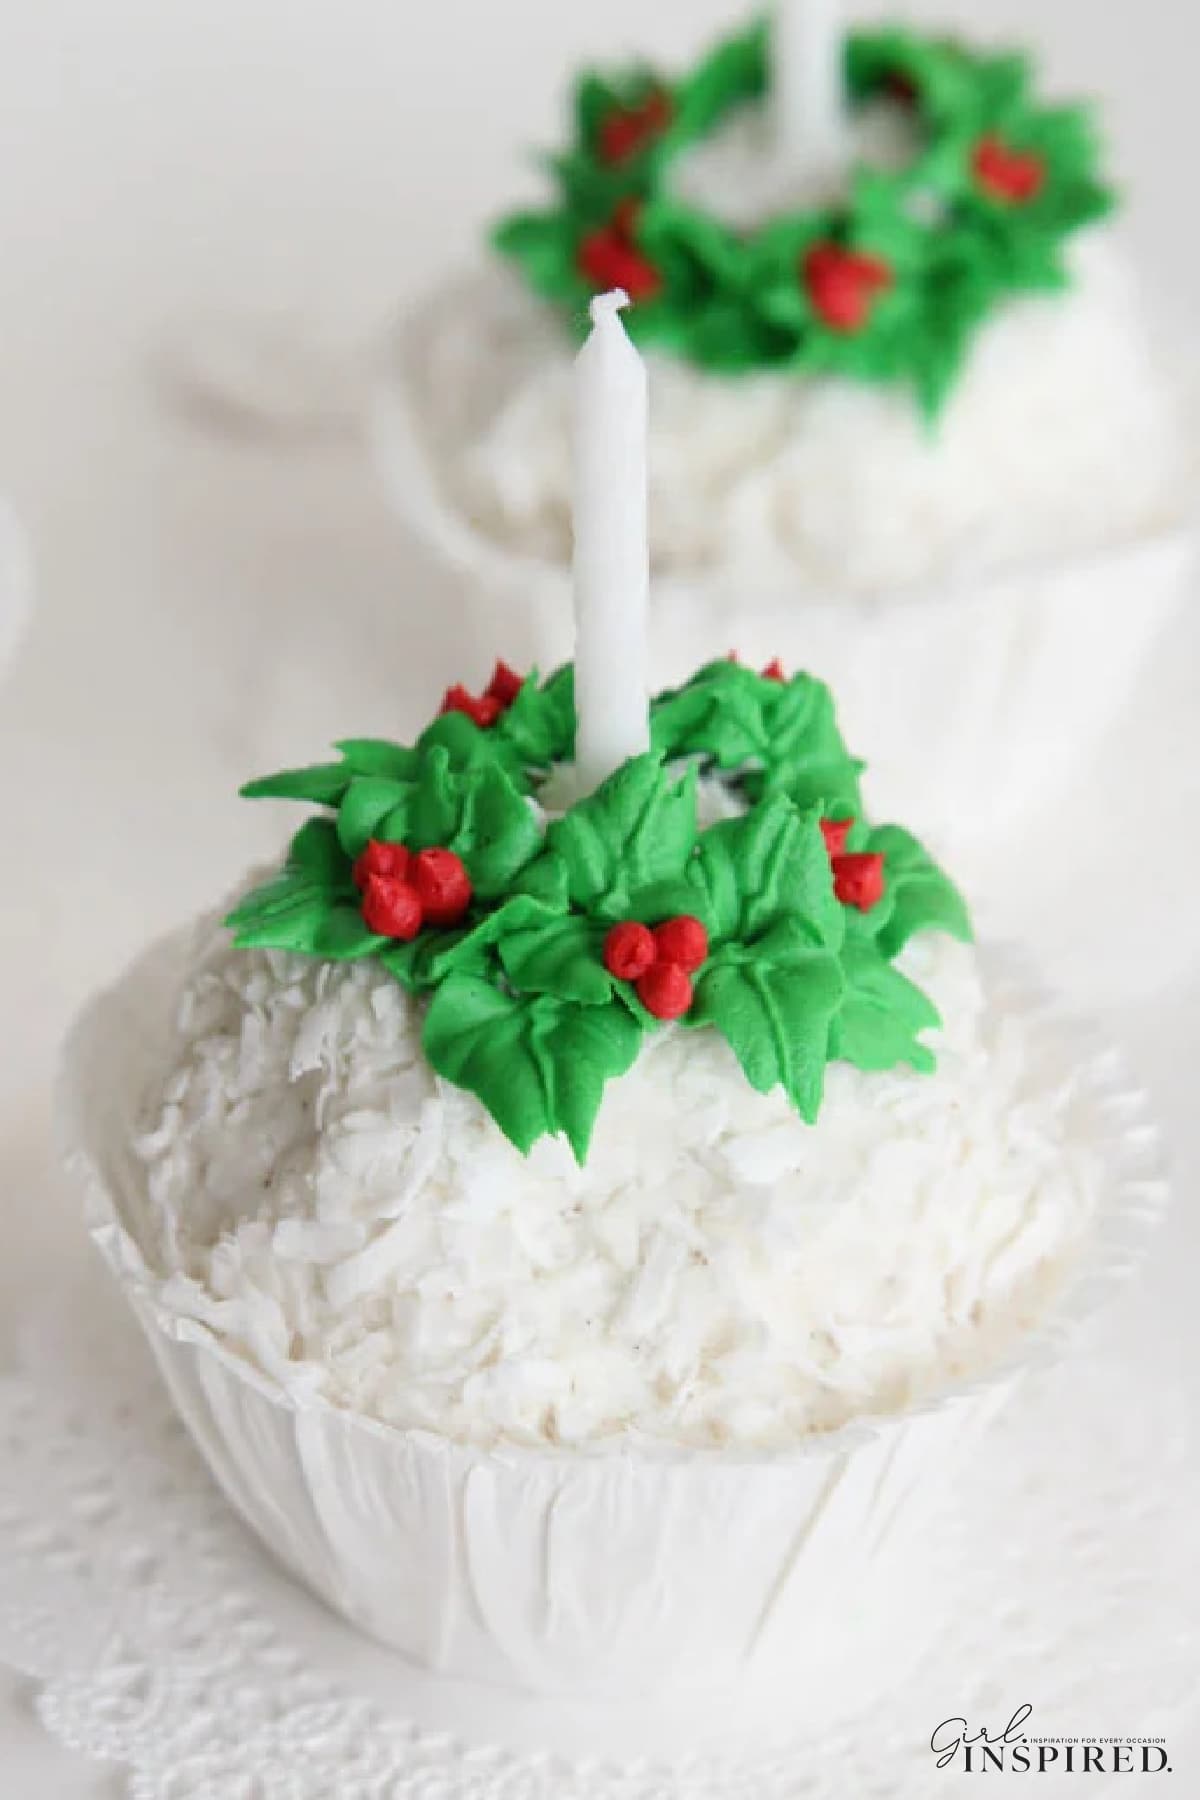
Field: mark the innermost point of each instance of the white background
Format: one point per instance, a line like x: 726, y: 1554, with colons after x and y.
x: 209, y: 605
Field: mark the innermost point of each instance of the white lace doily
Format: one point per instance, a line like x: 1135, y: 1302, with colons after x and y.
x: 159, y: 1639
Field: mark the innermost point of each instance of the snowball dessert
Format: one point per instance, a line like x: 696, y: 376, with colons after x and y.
x: 905, y: 400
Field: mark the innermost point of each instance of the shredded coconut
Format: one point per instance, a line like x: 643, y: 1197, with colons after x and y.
x: 1059, y: 438
x: 718, y: 1273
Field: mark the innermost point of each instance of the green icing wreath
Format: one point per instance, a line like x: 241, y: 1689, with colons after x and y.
x: 804, y: 905
x: 889, y: 286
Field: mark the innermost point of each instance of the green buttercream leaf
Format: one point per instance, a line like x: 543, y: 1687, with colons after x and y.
x: 774, y: 1004
x: 539, y: 726
x: 376, y: 756
x: 323, y: 784
x: 638, y: 827
x: 465, y: 950
x: 474, y: 810
x: 769, y: 865
x: 921, y: 897
x: 882, y: 1015
x: 563, y: 957
x: 317, y: 852
x: 373, y: 807
x: 538, y: 1065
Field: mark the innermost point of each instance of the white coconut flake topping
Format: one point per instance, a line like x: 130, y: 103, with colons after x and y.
x: 718, y: 1273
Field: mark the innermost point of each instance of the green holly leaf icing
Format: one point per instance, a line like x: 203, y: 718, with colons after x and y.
x: 323, y: 784
x: 770, y: 865
x: 638, y: 827
x: 470, y: 949
x: 520, y: 1006
x: 774, y: 1003
x: 740, y: 302
x: 539, y: 1065
x: 920, y: 897
x: 539, y: 726
x: 304, y: 908
x: 882, y: 1013
x: 563, y: 957
x: 475, y: 810
x: 781, y: 737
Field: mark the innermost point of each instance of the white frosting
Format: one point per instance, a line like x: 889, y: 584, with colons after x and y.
x: 1059, y: 438
x: 718, y: 1272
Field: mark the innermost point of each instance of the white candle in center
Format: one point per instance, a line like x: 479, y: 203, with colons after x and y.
x: 807, y: 81
x: 612, y: 556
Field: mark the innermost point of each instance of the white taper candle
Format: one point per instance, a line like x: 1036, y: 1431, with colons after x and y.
x: 612, y: 556
x: 807, y: 77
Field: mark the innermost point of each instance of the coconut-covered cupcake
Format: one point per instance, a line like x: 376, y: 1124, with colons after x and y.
x: 583, y: 1196
x: 657, y: 1183
x: 904, y: 392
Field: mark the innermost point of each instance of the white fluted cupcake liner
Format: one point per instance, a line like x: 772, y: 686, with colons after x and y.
x: 616, y: 1574
x: 976, y: 697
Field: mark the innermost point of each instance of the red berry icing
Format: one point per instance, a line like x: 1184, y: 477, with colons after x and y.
x: 505, y: 684
x: 629, y: 950
x: 607, y: 260
x: 858, y: 878
x: 774, y: 671
x: 380, y: 859
x: 683, y: 941
x: 1017, y: 176
x: 391, y: 907
x: 443, y: 886
x: 842, y: 284
x: 628, y: 129
x: 835, y: 832
x: 665, y: 990
x: 484, y: 709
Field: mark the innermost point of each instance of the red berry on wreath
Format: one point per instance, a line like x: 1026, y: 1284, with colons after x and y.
x: 483, y: 709
x: 505, y: 684
x: 1016, y: 176
x: 380, y: 859
x: 629, y: 950
x: 682, y: 941
x: 665, y: 990
x: 835, y: 832
x: 858, y: 878
x: 391, y: 907
x: 842, y: 284
x: 774, y: 671
x: 443, y: 886
x: 607, y: 261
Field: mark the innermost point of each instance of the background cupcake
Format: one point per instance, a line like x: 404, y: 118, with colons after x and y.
x: 906, y: 402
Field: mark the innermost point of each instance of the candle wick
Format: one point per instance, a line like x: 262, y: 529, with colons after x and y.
x: 607, y: 306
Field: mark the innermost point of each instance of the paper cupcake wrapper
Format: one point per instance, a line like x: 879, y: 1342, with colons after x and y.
x: 625, y: 1573
x: 1013, y: 676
